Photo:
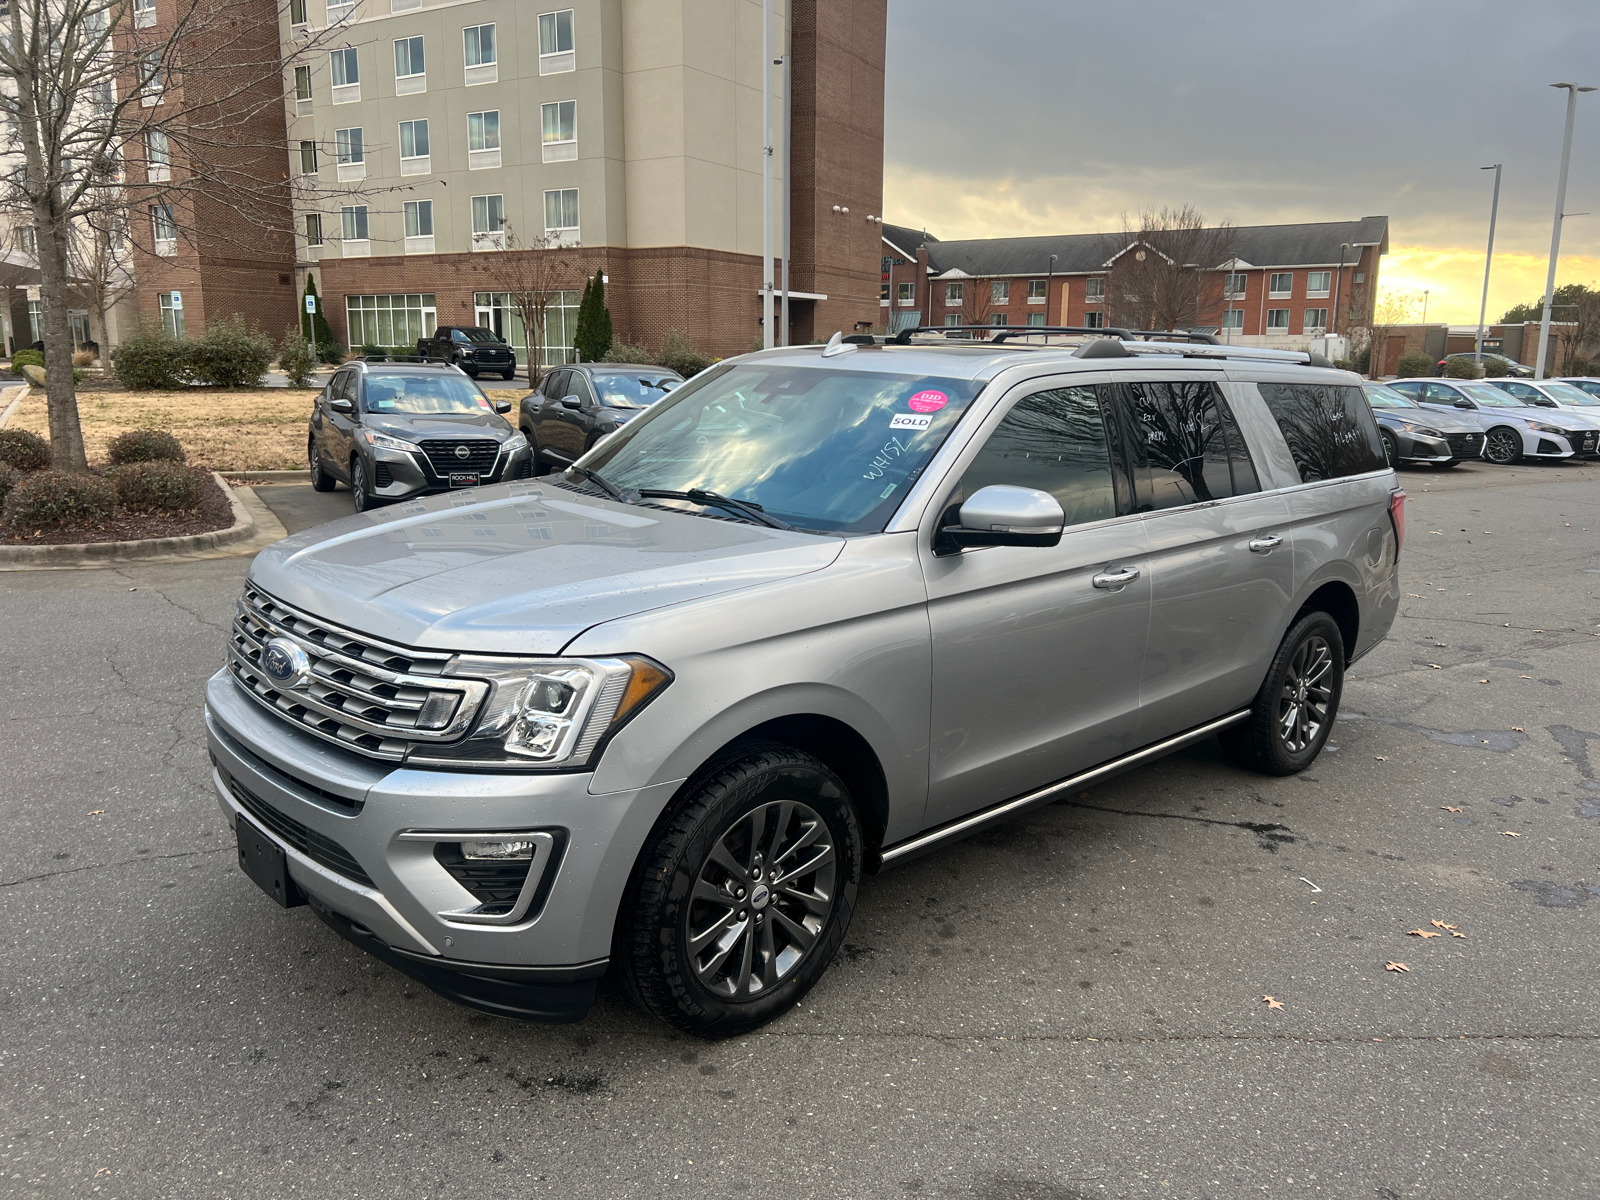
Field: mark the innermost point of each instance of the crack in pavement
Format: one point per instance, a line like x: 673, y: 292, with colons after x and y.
x: 121, y: 863
x: 1501, y: 741
x: 1269, y: 830
x: 142, y: 583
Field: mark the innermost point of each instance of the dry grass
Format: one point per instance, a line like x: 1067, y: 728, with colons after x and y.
x: 255, y: 430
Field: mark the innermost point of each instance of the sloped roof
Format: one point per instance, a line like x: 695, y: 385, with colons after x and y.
x: 1308, y: 245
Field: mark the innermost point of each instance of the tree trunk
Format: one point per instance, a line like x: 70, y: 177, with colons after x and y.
x: 66, y: 433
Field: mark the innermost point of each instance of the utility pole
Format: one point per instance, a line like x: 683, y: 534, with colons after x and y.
x: 1048, y: 284
x: 1488, y: 257
x: 767, y: 339
x: 787, y: 62
x: 1338, y: 286
x: 1555, y: 233
x: 1424, y: 306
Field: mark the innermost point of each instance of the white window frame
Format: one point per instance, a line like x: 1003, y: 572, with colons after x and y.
x: 491, y: 236
x: 28, y: 243
x: 308, y: 147
x: 303, y: 104
x: 154, y: 83
x: 1277, y: 321
x: 350, y: 154
x: 340, y: 62
x: 157, y: 156
x: 566, y: 234
x: 953, y: 293
x: 558, y: 149
x: 144, y: 13
x: 162, y: 217
x: 485, y: 70
x: 413, y: 81
x: 313, y: 230
x: 1307, y: 324
x: 416, y: 214
x: 355, y: 231
x: 414, y: 163
x: 1234, y: 285
x: 999, y: 291
x: 1233, y: 318
x: 905, y: 294
x: 484, y: 155
x: 338, y: 10
x: 557, y: 61
x: 1038, y: 290
x: 1316, y: 291
x: 1035, y: 318
x: 1094, y: 320
x: 367, y: 316
x: 1274, y: 292
x: 1094, y: 291
x: 171, y: 315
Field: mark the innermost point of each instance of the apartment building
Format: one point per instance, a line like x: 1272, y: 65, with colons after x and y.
x: 1274, y: 285
x: 429, y: 139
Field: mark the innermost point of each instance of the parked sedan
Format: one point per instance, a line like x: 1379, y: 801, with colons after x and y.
x: 575, y: 406
x: 1584, y: 384
x: 396, y: 430
x: 1413, y: 434
x: 1511, y: 365
x: 1554, y: 393
x: 1513, y: 428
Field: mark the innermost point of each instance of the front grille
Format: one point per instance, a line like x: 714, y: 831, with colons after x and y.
x: 382, y: 476
x: 319, y: 848
x: 1465, y: 445
x: 370, y: 696
x: 480, y: 456
x: 497, y: 356
x: 492, y: 883
x: 1584, y: 443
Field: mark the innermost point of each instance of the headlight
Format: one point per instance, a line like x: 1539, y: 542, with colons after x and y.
x: 549, y: 712
x: 1421, y: 430
x: 1538, y: 428
x: 382, y: 441
x: 515, y: 442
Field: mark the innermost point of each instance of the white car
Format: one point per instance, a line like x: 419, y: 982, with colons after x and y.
x: 1557, y: 393
x: 1513, y: 428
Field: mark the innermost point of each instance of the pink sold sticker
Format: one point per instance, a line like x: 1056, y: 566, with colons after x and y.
x: 927, y: 402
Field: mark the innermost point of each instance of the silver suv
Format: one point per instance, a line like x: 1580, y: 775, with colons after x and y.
x: 818, y: 611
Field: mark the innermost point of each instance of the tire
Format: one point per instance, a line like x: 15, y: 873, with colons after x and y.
x: 690, y: 883
x: 1261, y: 743
x: 321, y: 481
x: 1502, y: 446
x: 360, y: 485
x: 508, y: 374
x: 1391, y: 447
x: 536, y: 468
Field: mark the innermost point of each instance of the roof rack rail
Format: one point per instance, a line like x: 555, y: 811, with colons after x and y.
x: 1000, y: 333
x: 402, y: 358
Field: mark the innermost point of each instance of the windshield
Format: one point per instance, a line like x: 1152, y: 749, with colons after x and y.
x: 633, y: 391
x: 1588, y: 386
x: 419, y: 393
x: 1494, y: 397
x: 822, y: 449
x: 1567, y: 394
x: 1381, y: 395
x: 481, y: 335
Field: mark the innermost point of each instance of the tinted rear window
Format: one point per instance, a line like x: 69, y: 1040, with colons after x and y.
x: 1186, y: 446
x: 1329, y: 427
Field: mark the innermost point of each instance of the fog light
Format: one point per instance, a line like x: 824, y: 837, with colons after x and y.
x: 497, y: 851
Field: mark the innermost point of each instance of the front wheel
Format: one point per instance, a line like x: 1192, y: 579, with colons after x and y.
x: 360, y: 488
x: 743, y: 894
x: 508, y: 374
x: 321, y: 481
x: 1503, y: 446
x: 1294, y: 711
x: 1391, y: 447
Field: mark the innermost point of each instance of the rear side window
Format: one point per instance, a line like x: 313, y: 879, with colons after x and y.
x: 1054, y: 441
x: 1185, y: 446
x: 1329, y: 427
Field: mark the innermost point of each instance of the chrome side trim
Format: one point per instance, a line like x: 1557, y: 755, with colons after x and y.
x: 1006, y: 809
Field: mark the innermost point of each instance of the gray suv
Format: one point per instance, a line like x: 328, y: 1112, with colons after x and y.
x: 816, y: 612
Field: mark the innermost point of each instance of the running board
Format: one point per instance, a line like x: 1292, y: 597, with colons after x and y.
x: 1006, y: 809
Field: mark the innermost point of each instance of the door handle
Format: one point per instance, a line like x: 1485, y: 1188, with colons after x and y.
x: 1265, y: 543
x: 1120, y: 577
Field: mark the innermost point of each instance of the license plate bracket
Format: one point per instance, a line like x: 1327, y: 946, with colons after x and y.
x: 266, y: 864
x: 463, y: 479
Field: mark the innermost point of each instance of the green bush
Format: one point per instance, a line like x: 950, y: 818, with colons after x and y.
x: 1461, y: 368
x: 149, y: 359
x: 680, y: 354
x: 59, y: 498
x: 1493, y: 368
x: 23, y: 450
x: 622, y: 352
x: 9, y: 478
x: 158, y: 486
x: 1414, y: 366
x: 145, y: 445
x: 295, y: 358
x: 592, y: 336
x: 27, y: 358
x: 229, y: 355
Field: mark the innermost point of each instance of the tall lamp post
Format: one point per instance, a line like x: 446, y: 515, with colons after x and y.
x: 1424, y: 306
x: 1338, y: 286
x: 768, y: 325
x: 1488, y: 257
x: 1555, y: 233
x: 1050, y: 278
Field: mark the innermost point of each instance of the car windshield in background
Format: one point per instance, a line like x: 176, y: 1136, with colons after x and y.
x: 424, y: 393
x: 1382, y: 396
x: 482, y: 335
x: 618, y: 390
x: 1495, y: 397
x: 820, y: 449
x: 1568, y: 394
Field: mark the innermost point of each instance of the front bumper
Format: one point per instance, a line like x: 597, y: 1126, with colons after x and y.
x: 342, y: 820
x: 412, y: 475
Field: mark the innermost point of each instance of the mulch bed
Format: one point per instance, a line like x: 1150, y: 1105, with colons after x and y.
x: 214, y: 513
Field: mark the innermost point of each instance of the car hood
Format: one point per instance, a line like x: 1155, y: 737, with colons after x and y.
x: 1559, y: 418
x: 522, y: 568
x: 439, y: 425
x: 1432, y: 418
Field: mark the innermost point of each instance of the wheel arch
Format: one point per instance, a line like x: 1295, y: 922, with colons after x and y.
x: 1338, y: 599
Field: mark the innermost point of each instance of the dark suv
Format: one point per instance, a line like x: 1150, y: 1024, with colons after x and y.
x: 395, y: 430
x: 472, y: 348
x: 574, y: 407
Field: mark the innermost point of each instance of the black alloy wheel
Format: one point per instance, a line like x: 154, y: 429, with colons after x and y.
x: 535, y: 467
x: 1294, y: 710
x: 321, y: 481
x: 360, y: 489
x: 1391, y: 447
x: 743, y: 893
x: 1503, y: 446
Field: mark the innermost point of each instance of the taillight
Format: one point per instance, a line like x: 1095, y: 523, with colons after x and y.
x: 1397, y: 514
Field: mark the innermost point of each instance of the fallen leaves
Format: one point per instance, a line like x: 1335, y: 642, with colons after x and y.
x: 1457, y: 933
x: 1415, y: 595
x: 1483, y: 681
x: 1271, y: 1003
x: 1509, y: 833
x: 1381, y: 757
x: 1438, y: 924
x: 1451, y: 808
x: 98, y: 812
x: 1396, y: 966
x: 1518, y: 729
x: 1435, y: 666
x: 1422, y: 933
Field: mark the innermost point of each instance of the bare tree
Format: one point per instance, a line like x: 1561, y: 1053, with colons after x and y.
x: 1157, y: 268
x: 977, y: 301
x: 532, y: 271
x: 1392, y: 308
x: 100, y: 264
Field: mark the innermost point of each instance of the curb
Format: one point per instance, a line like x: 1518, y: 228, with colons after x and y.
x: 247, y: 477
x: 75, y: 554
x: 16, y: 402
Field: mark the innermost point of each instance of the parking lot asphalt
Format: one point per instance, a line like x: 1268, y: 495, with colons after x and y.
x: 1072, y: 1005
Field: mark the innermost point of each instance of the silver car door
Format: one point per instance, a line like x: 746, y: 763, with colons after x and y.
x: 1036, y: 650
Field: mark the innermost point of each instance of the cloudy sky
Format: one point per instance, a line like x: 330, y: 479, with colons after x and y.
x: 1015, y: 117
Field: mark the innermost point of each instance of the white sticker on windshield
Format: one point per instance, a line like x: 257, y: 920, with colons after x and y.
x: 911, y: 421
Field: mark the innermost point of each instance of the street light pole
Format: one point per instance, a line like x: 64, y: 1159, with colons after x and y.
x: 1488, y: 256
x: 1338, y: 286
x: 1555, y: 233
x: 1424, y: 306
x: 767, y: 323
x: 1050, y: 279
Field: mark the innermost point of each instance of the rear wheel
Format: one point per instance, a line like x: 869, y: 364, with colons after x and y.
x: 743, y: 894
x: 1294, y: 711
x: 537, y: 468
x: 360, y: 485
x: 1503, y: 446
x: 321, y: 481
x: 1391, y: 447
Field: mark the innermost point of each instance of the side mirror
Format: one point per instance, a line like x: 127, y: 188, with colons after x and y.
x: 502, y: 406
x: 1546, y: 402
x: 571, y: 402
x: 1463, y: 404
x: 341, y: 405
x: 1002, y: 515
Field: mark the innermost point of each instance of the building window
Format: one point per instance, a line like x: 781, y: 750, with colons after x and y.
x: 152, y: 82
x: 561, y: 213
x: 495, y: 310
x: 482, y: 63
x: 952, y: 294
x: 345, y: 66
x: 1000, y: 292
x: 1233, y: 285
x: 353, y: 220
x: 952, y: 318
x: 1035, y: 318
x: 1277, y: 320
x: 35, y: 321
x: 413, y: 147
x: 28, y: 239
x: 883, y: 292
x: 350, y: 151
x: 1281, y: 283
x: 1361, y: 276
x: 313, y: 229
x: 302, y: 85
x: 999, y: 319
x: 297, y: 12
x: 1233, y: 318
x: 157, y: 156
x: 1036, y: 292
x: 1094, y: 292
x: 1094, y: 320
x: 560, y: 120
x: 1316, y: 318
x: 555, y: 42
x: 165, y: 227
x: 171, y: 313
x: 390, y: 320
x: 308, y: 158
x: 408, y: 57
x: 1318, y: 282
x: 489, y: 222
x: 419, y: 218
x: 483, y: 130
x: 905, y: 294
x: 144, y: 14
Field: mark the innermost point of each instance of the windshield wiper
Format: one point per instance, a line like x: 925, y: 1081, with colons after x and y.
x: 599, y: 481
x: 745, y: 509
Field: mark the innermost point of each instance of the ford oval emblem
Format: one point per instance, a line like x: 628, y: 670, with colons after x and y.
x: 285, y: 663
x: 463, y: 452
